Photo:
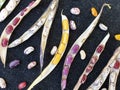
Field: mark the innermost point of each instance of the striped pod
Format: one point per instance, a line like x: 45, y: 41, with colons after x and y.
x: 33, y: 29
x: 115, y: 70
x: 57, y: 57
x: 12, y: 4
x: 92, y: 62
x: 96, y: 85
x: 7, y: 32
x: 46, y: 29
x: 76, y: 47
x: 1, y: 3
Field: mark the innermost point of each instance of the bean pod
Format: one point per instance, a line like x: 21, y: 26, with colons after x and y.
x: 7, y: 32
x: 75, y: 48
x: 1, y: 3
x: 96, y: 85
x: 92, y: 62
x: 56, y: 59
x: 8, y: 9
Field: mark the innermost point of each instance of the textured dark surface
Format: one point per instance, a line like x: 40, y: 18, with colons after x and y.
x: 111, y: 18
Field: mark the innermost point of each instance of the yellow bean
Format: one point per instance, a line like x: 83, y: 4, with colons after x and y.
x: 61, y: 48
x: 117, y: 37
x: 65, y: 24
x: 65, y: 38
x: 56, y: 59
x: 94, y: 11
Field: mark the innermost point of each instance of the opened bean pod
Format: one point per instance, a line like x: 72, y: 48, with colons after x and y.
x: 92, y: 62
x: 56, y: 59
x: 96, y: 85
x: 76, y: 47
x: 8, y: 9
x: 7, y: 32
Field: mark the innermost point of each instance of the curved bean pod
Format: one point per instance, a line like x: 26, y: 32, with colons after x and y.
x: 76, y: 46
x: 1, y: 3
x: 33, y: 29
x: 92, y: 62
x: 46, y: 30
x: 114, y: 74
x: 56, y: 59
x: 5, y: 12
x: 7, y: 32
x: 96, y: 85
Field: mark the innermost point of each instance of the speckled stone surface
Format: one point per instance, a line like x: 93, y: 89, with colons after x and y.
x: 110, y: 18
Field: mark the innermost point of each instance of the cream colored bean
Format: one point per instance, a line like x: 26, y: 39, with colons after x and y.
x: 32, y: 64
x: 28, y: 50
x: 2, y: 83
x: 53, y: 51
x: 103, y: 27
x: 73, y: 25
x: 75, y: 11
x: 82, y: 54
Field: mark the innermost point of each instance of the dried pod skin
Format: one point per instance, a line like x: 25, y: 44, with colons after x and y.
x: 73, y: 25
x: 28, y: 50
x: 75, y: 11
x: 22, y: 85
x: 103, y: 27
x: 14, y: 63
x: 94, y: 12
x: 82, y: 54
x: 2, y: 83
x: 53, y: 51
x: 32, y: 64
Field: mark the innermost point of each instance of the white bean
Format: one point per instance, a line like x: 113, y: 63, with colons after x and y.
x: 2, y: 83
x: 53, y: 51
x: 32, y: 64
x: 73, y: 25
x: 28, y: 50
x: 75, y: 11
x: 82, y: 54
x: 103, y: 27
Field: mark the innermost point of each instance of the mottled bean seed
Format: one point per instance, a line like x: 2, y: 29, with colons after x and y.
x: 75, y: 11
x: 28, y: 50
x: 32, y: 64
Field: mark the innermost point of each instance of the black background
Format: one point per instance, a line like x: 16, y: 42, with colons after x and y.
x: 111, y: 18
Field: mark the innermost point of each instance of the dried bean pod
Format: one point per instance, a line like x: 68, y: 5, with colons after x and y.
x: 92, y: 62
x: 32, y: 64
x: 2, y: 83
x: 14, y: 23
x: 8, y: 9
x: 96, y: 85
x: 76, y: 46
x: 75, y: 11
x: 14, y: 63
x: 22, y: 85
x: 56, y: 59
x: 46, y: 29
x: 28, y: 50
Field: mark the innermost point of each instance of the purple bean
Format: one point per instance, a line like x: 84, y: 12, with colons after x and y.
x: 14, y: 63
